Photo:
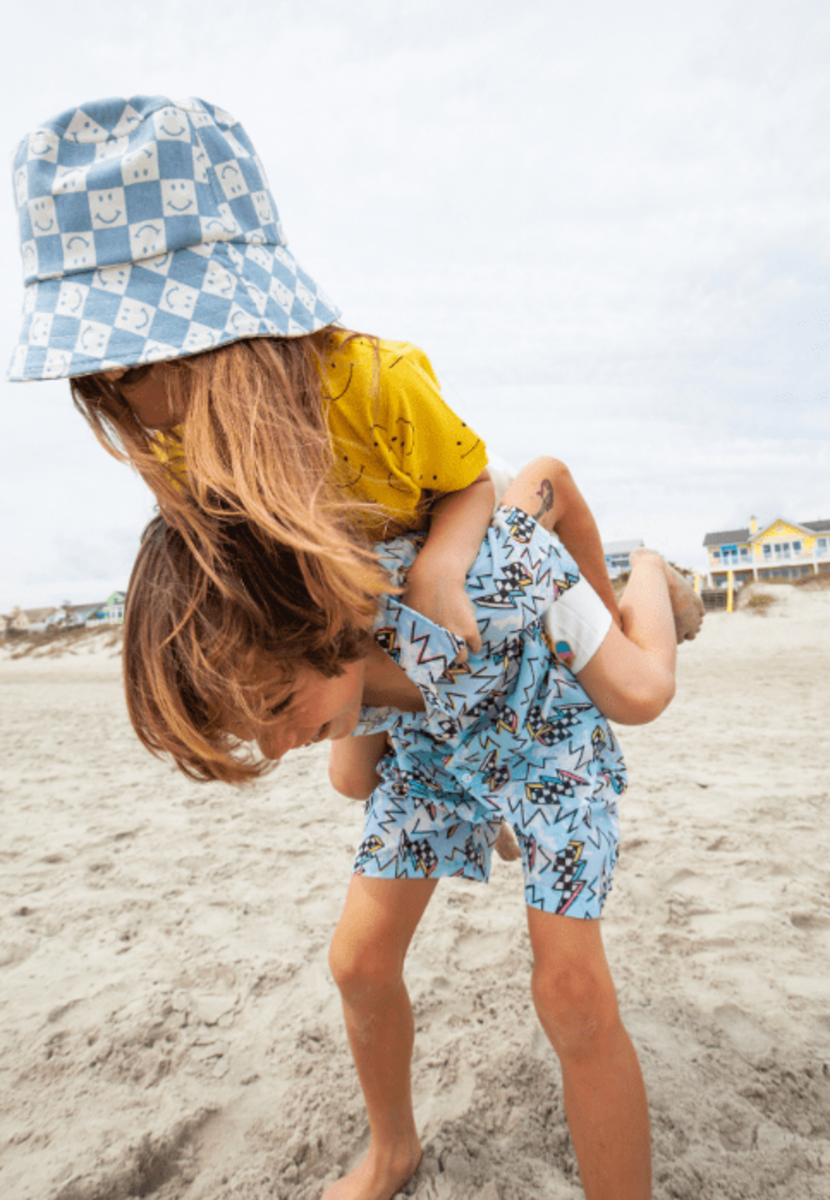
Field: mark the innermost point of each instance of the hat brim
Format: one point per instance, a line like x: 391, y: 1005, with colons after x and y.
x: 171, y: 306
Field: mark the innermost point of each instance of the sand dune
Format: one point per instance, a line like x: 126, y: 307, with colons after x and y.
x: 169, y: 1027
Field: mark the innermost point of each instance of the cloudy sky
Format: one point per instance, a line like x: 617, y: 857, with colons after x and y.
x: 605, y: 223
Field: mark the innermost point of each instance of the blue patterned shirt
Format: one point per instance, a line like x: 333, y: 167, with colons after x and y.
x: 511, y: 720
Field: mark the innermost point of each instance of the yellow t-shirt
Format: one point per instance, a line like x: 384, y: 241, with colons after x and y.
x: 392, y: 434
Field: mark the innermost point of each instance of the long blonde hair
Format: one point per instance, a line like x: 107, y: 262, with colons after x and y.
x: 256, y: 448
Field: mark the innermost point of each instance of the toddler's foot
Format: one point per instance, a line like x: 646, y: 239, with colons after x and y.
x: 371, y: 1181
x: 686, y: 605
x: 507, y: 847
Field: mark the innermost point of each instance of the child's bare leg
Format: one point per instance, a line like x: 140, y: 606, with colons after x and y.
x: 366, y: 958
x: 545, y: 488
x: 506, y: 845
x: 687, y: 606
x: 631, y: 677
x: 605, y: 1098
x: 648, y: 618
x: 574, y: 525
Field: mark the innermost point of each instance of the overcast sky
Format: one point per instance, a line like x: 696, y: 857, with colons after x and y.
x: 605, y: 223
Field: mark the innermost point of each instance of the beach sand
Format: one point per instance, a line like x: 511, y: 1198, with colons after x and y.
x: 169, y: 1027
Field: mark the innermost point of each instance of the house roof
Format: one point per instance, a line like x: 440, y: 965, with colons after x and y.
x: 35, y: 615
x: 624, y: 547
x: 729, y: 537
x: 621, y: 547
x: 801, y: 526
x: 726, y: 537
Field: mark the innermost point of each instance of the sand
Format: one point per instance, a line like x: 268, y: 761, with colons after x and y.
x: 169, y: 1027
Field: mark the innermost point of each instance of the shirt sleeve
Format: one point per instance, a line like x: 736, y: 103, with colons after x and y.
x: 434, y: 447
x: 422, y: 649
x: 576, y: 625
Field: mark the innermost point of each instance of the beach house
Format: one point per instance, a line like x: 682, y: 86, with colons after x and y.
x: 618, y: 555
x: 29, y: 620
x: 111, y: 612
x: 75, y: 615
x: 783, y: 549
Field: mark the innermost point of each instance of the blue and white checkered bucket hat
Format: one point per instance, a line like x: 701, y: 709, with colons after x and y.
x: 148, y: 232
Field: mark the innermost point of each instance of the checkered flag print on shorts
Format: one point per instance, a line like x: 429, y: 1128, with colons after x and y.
x: 568, y: 865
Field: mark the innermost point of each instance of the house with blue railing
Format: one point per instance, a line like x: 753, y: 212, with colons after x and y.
x: 111, y: 612
x: 782, y: 549
x: 618, y: 555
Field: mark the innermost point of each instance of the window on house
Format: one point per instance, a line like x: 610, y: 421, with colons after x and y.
x: 767, y: 550
x: 821, y: 545
x: 744, y: 551
x: 797, y: 547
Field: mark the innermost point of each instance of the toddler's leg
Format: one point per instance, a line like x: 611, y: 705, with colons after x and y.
x: 687, y: 607
x: 506, y: 845
x: 574, y: 525
x: 605, y: 1098
x: 366, y: 959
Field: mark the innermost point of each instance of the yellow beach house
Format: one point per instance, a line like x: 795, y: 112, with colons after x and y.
x: 781, y: 550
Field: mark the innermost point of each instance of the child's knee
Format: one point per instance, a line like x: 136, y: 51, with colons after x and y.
x: 577, y: 1007
x: 359, y: 966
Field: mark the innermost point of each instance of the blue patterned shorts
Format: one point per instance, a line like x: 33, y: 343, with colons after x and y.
x: 508, y: 735
x: 568, y: 860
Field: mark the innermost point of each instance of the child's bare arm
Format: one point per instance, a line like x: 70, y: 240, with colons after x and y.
x: 435, y: 586
x: 353, y: 764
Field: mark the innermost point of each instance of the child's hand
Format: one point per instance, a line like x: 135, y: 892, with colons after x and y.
x: 446, y: 603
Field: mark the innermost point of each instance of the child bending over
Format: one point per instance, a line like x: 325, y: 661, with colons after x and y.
x: 159, y: 282
x: 447, y: 750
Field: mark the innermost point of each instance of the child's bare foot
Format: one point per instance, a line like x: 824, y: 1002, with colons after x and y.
x: 507, y: 847
x: 375, y: 1181
x: 686, y: 605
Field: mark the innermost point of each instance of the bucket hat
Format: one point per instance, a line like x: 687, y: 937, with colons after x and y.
x: 148, y: 232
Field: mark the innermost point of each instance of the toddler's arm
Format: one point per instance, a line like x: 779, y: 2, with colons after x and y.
x: 435, y: 586
x: 353, y: 764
